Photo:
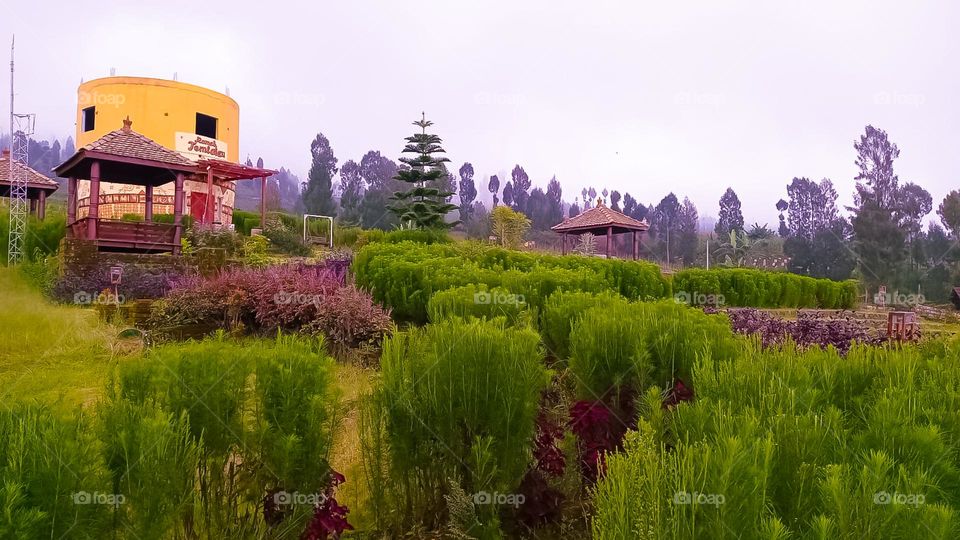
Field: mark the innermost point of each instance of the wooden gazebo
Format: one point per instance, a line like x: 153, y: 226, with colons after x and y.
x: 602, y: 221
x: 127, y: 157
x: 39, y: 187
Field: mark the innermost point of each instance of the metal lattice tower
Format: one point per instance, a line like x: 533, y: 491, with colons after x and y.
x: 21, y: 127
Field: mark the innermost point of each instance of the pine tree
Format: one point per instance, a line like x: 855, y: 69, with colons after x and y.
x: 422, y: 206
x: 468, y: 191
x: 318, y: 191
x: 731, y: 217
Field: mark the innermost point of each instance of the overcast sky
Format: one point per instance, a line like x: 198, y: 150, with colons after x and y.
x: 644, y: 97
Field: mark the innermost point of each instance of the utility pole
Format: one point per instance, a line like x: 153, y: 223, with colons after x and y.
x: 21, y: 127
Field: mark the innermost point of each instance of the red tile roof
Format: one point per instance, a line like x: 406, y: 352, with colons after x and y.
x: 34, y: 179
x: 125, y: 142
x: 600, y: 217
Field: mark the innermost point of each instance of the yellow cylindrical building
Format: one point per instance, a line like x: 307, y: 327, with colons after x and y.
x: 195, y: 121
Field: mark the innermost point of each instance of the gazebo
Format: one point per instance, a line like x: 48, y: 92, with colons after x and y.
x: 600, y: 221
x: 127, y: 157
x: 39, y: 187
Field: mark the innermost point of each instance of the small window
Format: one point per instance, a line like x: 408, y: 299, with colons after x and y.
x: 206, y: 126
x: 89, y: 117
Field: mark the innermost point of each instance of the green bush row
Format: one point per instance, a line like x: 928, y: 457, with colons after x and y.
x: 631, y: 346
x: 796, y: 444
x: 756, y: 288
x: 405, y: 275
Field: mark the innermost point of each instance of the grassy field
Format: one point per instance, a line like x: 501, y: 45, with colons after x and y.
x: 62, y: 356
x: 59, y: 355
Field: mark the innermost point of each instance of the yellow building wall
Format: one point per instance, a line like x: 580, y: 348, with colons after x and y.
x: 158, y: 109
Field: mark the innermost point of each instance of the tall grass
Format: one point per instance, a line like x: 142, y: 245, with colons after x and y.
x: 456, y: 406
x: 191, y: 441
x: 799, y: 444
x: 59, y: 355
x: 619, y: 344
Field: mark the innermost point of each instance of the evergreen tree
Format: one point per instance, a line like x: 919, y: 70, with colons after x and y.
x: 949, y: 212
x: 615, y: 200
x: 318, y: 191
x: 555, y: 202
x: 351, y: 193
x: 731, y: 216
x: 666, y: 218
x: 879, y: 239
x: 468, y: 192
x: 494, y: 187
x: 378, y: 174
x: 521, y: 187
x: 508, y: 194
x: 574, y: 209
x: 423, y: 206
x: 783, y: 230
x: 687, y: 232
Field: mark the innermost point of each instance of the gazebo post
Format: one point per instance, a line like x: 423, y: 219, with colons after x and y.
x: 263, y: 203
x: 177, y: 212
x: 634, y: 245
x: 94, y: 213
x: 71, y: 200
x: 33, y: 206
x: 148, y: 204
x: 42, y: 205
x: 609, y: 238
x: 563, y: 243
x: 208, y: 211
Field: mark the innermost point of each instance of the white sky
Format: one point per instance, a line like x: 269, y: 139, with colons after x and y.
x: 645, y: 97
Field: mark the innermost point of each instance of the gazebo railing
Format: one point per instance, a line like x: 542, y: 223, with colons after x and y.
x: 114, y: 233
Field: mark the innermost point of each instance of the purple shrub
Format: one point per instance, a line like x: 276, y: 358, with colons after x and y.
x: 676, y: 395
x: 598, y: 431
x: 298, y: 297
x: 329, y: 517
x: 806, y: 331
x: 549, y: 458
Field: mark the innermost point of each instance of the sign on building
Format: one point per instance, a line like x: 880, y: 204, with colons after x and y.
x: 197, y: 147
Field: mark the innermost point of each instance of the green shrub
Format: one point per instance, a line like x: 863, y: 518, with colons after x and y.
x: 255, y: 251
x: 152, y: 460
x: 560, y: 313
x: 799, y: 444
x: 346, y: 237
x: 404, y: 276
x: 422, y: 236
x: 296, y: 400
x: 457, y: 403
x: 47, y: 465
x: 620, y: 345
x: 748, y: 287
x: 244, y: 221
x: 286, y: 240
x: 229, y: 241
x: 476, y: 301
x: 42, y: 238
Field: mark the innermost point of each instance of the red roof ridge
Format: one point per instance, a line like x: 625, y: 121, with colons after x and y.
x: 600, y: 216
x: 126, y: 142
x: 33, y: 176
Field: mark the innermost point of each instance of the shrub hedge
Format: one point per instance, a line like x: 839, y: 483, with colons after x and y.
x: 746, y: 287
x: 622, y: 345
x: 477, y: 301
x: 455, y: 414
x: 796, y: 444
x: 405, y: 275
